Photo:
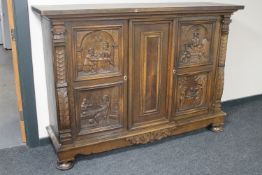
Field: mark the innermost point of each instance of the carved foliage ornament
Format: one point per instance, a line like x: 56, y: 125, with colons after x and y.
x: 195, y: 45
x: 151, y: 136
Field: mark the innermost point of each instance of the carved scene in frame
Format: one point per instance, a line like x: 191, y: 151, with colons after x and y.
x: 195, y: 44
x: 192, y: 91
x: 98, y: 52
x: 100, y: 109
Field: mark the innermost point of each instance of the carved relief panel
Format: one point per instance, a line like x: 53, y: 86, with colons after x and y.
x: 100, y: 109
x: 195, y: 43
x: 98, y: 51
x: 192, y: 91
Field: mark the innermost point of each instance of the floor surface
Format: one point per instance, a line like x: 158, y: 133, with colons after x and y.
x: 9, y: 121
x: 236, y: 151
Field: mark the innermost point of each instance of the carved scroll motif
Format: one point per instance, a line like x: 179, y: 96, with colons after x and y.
x: 63, y: 105
x: 196, y: 46
x: 151, y: 136
x: 64, y: 115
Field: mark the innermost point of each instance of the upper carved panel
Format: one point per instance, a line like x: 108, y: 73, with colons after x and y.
x: 98, y: 53
x: 100, y: 109
x: 192, y: 91
x: 195, y: 44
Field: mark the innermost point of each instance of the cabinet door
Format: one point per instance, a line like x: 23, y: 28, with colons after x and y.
x: 195, y: 61
x: 149, y: 58
x: 97, y: 75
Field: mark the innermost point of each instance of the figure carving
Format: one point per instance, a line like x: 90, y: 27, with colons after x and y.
x: 196, y: 49
x: 96, y: 113
x: 98, y: 53
x: 191, y: 91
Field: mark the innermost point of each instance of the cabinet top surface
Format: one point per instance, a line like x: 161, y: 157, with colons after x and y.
x: 54, y: 10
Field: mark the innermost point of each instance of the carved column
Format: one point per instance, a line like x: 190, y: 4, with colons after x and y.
x: 225, y: 21
x: 65, y: 135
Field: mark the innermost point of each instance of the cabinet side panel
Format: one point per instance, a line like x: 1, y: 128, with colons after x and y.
x: 48, y: 55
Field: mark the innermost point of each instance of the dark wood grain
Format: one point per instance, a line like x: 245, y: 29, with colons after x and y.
x: 134, y: 73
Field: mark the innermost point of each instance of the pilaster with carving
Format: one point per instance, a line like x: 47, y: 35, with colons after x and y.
x: 225, y: 21
x: 58, y: 31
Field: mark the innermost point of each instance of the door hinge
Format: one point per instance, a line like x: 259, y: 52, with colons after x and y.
x: 12, y: 31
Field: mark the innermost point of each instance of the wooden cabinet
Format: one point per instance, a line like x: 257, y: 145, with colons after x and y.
x: 133, y: 73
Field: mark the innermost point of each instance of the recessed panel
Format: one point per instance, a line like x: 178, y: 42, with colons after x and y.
x: 149, y: 72
x: 151, y: 44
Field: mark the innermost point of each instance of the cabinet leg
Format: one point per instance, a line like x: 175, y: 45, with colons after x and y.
x: 217, y: 128
x: 65, y: 165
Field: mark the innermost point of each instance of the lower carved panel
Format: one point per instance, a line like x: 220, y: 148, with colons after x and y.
x: 192, y: 91
x: 100, y: 109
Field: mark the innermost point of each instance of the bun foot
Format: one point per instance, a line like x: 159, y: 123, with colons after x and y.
x: 65, y: 165
x: 218, y: 128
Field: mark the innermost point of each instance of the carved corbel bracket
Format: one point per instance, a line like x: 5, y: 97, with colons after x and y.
x: 225, y: 21
x: 58, y: 32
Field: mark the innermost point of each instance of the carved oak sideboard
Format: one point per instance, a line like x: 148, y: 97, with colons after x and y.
x: 133, y: 73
